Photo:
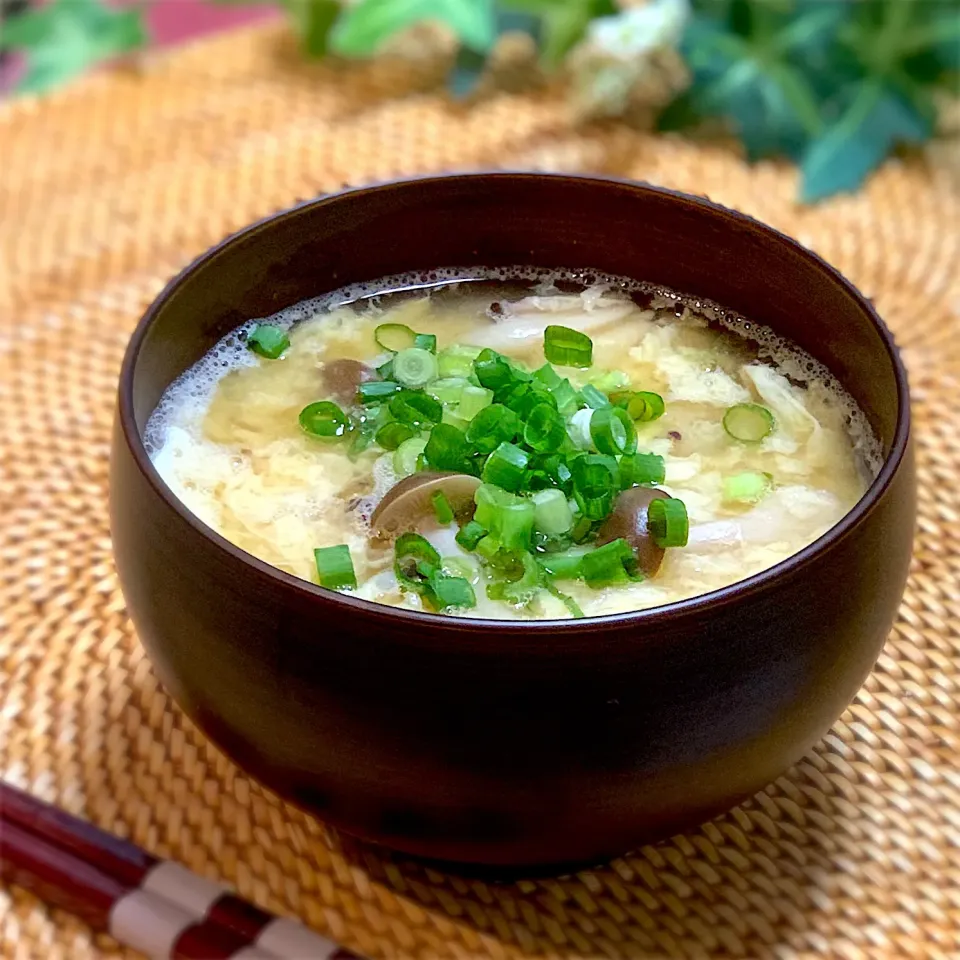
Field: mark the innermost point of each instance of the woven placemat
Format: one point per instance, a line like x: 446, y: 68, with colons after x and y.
x: 108, y: 188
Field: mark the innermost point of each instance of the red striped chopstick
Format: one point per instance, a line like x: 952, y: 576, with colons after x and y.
x: 152, y: 905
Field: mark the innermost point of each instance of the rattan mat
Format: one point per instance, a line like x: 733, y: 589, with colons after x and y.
x: 108, y: 188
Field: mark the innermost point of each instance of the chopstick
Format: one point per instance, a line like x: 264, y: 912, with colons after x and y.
x: 152, y: 905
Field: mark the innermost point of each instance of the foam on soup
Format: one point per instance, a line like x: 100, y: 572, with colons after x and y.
x: 671, y: 448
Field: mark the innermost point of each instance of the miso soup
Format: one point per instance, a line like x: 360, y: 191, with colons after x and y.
x: 513, y: 443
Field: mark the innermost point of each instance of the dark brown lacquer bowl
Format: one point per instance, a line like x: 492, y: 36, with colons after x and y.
x: 534, y: 744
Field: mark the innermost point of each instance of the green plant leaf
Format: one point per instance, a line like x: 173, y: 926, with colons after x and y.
x: 565, y: 25
x: 67, y: 37
x: 364, y: 27
x: 877, y: 119
x: 313, y: 20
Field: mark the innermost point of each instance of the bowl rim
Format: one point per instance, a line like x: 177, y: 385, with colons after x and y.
x: 739, y: 591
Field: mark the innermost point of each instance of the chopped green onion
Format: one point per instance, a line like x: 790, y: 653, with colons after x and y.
x: 592, y: 397
x: 595, y: 481
x: 441, y: 508
x: 516, y: 525
x: 392, y: 434
x: 426, y: 341
x: 489, y: 499
x: 572, y: 606
x: 268, y: 341
x: 578, y: 429
x: 641, y: 468
x: 612, y: 431
x: 667, y: 522
x: 365, y: 431
x: 544, y: 431
x: 415, y: 561
x: 488, y: 547
x: 470, y: 535
x: 581, y: 529
x: 406, y: 456
x: 454, y: 420
x: 552, y: 513
x: 747, y: 487
x: 473, y: 400
x: 492, y: 426
x: 493, y: 370
x: 417, y: 409
x: 458, y: 566
x: 447, y: 592
x: 563, y: 566
x: 446, y: 447
x: 567, y: 397
x: 324, y: 420
x: 506, y: 466
x: 748, y: 422
x: 394, y: 337
x: 335, y: 567
x: 457, y: 361
x: 567, y: 347
x: 523, y: 576
x: 448, y: 390
x: 548, y: 377
x: 641, y: 405
x: 415, y: 368
x: 556, y: 470
x: 385, y: 370
x: 376, y: 391
x: 614, y: 562
x: 610, y: 380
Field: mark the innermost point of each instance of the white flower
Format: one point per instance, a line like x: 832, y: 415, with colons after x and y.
x: 639, y: 30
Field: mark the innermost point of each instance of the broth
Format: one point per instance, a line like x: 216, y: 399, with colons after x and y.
x: 751, y: 448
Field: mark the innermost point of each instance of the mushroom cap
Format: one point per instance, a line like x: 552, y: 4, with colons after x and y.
x: 629, y: 521
x: 342, y: 378
x: 408, y: 502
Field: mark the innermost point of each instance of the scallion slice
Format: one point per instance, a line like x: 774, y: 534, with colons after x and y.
x: 324, y: 420
x: 446, y: 448
x: 667, y: 522
x: 552, y: 513
x: 596, y: 479
x: 268, y: 341
x: 515, y: 525
x: 642, y: 405
x: 376, y: 391
x: 426, y: 341
x: 612, y: 431
x: 747, y: 487
x: 592, y: 397
x: 566, y: 396
x: 748, y: 422
x: 448, y: 390
x: 567, y: 347
x: 641, y: 468
x: 492, y: 426
x: 457, y: 361
x: 416, y: 409
x: 473, y: 400
x: 506, y: 467
x: 563, y: 566
x: 449, y: 592
x: 544, y: 430
x: 394, y: 433
x: 493, y: 371
x: 394, y: 337
x: 406, y: 456
x: 612, y: 563
x: 441, y: 508
x: 415, y: 561
x: 548, y: 377
x: 414, y: 368
x: 335, y: 567
x: 470, y: 534
x: 522, y: 577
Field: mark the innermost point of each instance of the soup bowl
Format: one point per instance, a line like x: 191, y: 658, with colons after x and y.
x: 521, y: 744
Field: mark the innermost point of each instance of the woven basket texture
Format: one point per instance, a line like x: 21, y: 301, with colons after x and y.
x: 112, y: 185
